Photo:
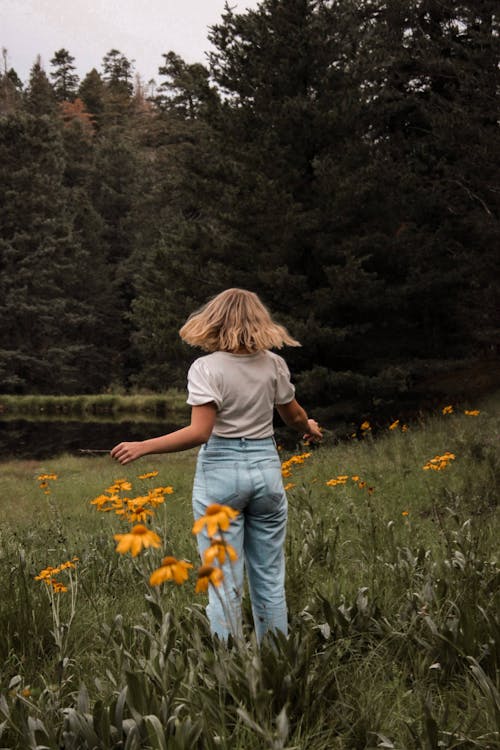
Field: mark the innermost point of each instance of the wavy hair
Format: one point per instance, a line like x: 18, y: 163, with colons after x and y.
x: 235, y: 319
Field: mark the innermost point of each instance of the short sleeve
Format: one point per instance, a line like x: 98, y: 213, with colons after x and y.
x: 201, y: 386
x: 285, y: 391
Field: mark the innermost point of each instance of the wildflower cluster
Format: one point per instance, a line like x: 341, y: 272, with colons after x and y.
x: 44, y: 480
x: 394, y: 426
x: 140, y: 537
x: 344, y: 478
x: 216, y: 521
x: 48, y: 575
x: 438, y: 463
x: 133, y: 509
x: 286, y: 466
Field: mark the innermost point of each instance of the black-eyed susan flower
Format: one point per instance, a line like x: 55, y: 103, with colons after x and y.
x: 208, y: 574
x: 365, y: 426
x: 293, y: 461
x: 438, y: 463
x: 47, y: 573
x: 219, y: 550
x: 394, y: 425
x: 341, y: 479
x: 171, y: 569
x: 119, y: 485
x: 148, y: 475
x: 136, y: 539
x: 136, y: 512
x: 58, y: 588
x: 472, y: 412
x: 101, y: 501
x: 217, y: 518
x: 447, y: 409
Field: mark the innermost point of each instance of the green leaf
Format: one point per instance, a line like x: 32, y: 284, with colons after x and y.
x: 155, y: 732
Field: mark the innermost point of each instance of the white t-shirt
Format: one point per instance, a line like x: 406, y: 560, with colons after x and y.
x: 245, y: 389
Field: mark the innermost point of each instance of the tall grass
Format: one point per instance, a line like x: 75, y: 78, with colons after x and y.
x: 393, y: 594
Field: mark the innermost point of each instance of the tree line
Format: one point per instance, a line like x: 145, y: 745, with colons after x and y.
x: 338, y: 157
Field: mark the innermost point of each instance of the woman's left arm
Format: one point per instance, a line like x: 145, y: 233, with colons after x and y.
x: 198, y: 432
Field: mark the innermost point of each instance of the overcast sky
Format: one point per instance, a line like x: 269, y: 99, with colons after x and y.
x: 89, y: 29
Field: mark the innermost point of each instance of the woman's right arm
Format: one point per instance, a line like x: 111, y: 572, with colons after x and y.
x: 294, y: 416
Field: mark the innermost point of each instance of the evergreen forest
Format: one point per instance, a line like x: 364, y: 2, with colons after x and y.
x: 338, y: 157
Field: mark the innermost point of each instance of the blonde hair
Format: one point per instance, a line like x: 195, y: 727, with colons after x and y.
x: 233, y: 320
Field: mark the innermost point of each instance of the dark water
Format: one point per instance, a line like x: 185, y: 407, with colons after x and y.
x: 25, y: 438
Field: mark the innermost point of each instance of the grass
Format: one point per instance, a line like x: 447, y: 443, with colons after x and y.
x: 393, y: 597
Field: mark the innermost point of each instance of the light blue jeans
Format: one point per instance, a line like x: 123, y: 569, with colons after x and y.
x: 246, y: 475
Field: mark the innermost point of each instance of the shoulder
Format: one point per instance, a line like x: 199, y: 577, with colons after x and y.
x: 278, y: 361
x: 205, y: 363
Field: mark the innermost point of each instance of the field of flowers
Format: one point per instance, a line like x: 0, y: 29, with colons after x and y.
x: 393, y: 581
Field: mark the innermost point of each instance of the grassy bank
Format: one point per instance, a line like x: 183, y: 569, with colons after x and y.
x: 170, y: 404
x: 393, y: 584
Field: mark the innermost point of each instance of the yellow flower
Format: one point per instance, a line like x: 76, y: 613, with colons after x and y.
x: 472, y: 412
x: 58, y: 588
x: 404, y: 428
x: 405, y: 513
x: 156, y: 497
x: 290, y: 486
x: 148, y: 475
x: 68, y: 564
x: 394, y: 425
x: 47, y: 573
x: 119, y: 485
x: 448, y: 409
x: 208, y: 574
x: 217, y: 551
x: 286, y: 465
x: 101, y: 501
x: 137, y: 538
x: 26, y: 692
x: 438, y: 463
x: 218, y: 517
x: 44, y: 477
x: 355, y: 478
x: 137, y: 512
x: 341, y: 479
x: 365, y: 426
x: 171, y: 569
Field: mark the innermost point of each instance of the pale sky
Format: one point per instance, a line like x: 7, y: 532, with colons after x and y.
x: 89, y: 29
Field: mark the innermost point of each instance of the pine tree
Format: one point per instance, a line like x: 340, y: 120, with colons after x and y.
x: 39, y: 94
x: 48, y: 309
x: 64, y: 79
x: 10, y: 87
x: 92, y: 92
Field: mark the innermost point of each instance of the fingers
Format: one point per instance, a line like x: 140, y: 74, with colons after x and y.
x: 123, y: 453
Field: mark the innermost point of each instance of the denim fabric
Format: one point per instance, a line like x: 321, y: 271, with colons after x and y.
x: 246, y: 475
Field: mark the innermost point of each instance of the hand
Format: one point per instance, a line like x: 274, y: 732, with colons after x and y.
x: 314, y: 433
x: 124, y: 453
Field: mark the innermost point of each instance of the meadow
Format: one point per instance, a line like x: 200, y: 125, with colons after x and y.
x: 393, y: 579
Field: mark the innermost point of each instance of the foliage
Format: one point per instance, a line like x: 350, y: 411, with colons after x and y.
x: 393, y: 596
x: 336, y: 157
